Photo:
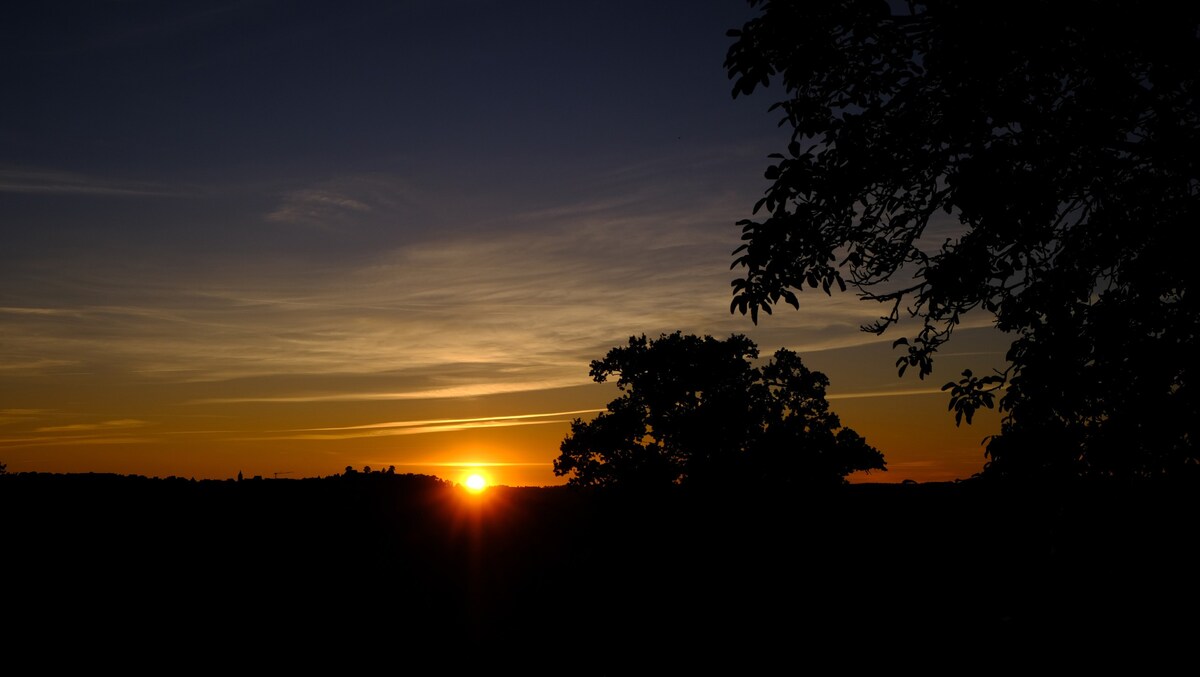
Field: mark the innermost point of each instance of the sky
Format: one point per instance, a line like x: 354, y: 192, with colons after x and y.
x: 283, y: 238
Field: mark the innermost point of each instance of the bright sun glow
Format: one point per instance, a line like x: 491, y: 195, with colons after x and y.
x: 476, y: 482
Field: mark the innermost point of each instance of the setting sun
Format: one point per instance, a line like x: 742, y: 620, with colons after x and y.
x: 476, y: 482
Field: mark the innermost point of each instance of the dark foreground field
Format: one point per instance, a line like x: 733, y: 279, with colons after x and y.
x: 345, y: 572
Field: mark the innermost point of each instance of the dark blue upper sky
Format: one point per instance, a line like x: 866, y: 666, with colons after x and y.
x: 207, y: 91
x: 218, y: 109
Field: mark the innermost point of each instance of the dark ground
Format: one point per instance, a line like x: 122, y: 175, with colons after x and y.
x: 344, y: 572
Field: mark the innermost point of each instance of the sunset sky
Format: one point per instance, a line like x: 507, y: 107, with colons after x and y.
x: 282, y: 238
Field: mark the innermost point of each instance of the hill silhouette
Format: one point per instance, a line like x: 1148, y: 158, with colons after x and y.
x: 587, y: 581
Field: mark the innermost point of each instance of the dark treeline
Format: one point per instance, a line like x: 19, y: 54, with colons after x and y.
x: 598, y: 580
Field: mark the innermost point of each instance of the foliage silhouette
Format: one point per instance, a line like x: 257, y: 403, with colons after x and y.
x: 695, y: 411
x: 1058, y: 149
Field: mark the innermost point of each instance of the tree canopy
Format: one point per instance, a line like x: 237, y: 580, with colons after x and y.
x: 1034, y: 161
x: 695, y: 411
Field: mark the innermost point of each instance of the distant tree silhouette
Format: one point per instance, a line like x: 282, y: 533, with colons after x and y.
x: 1061, y: 146
x: 695, y: 411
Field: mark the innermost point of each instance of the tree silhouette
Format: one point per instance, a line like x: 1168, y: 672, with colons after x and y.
x: 695, y: 411
x: 1040, y: 166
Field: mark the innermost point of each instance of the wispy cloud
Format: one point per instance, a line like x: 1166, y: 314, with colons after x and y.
x: 11, y: 416
x: 356, y: 202
x: 34, y: 365
x: 424, y: 426
x: 488, y: 386
x: 73, y: 440
x: 884, y: 393
x: 16, y: 310
x: 316, y: 206
x: 523, y: 306
x: 453, y: 421
x: 417, y: 430
x: 103, y: 425
x: 68, y: 183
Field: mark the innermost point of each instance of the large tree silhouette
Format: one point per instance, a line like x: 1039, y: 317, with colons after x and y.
x: 695, y: 411
x: 1035, y: 161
